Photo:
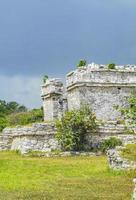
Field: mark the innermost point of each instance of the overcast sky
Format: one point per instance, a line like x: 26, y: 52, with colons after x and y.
x: 40, y: 37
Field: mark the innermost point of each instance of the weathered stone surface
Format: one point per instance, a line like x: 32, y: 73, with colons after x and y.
x: 94, y: 85
x: 5, y: 142
x: 54, y: 99
x: 117, y: 162
x: 101, y: 89
x: 39, y: 137
x: 62, y: 154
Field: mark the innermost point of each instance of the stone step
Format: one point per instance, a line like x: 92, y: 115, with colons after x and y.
x: 110, y: 133
x: 111, y: 128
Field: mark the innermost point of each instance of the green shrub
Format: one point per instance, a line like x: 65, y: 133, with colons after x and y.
x: 45, y: 78
x: 3, y: 123
x: 111, y: 66
x: 24, y: 118
x: 110, y: 143
x: 73, y: 128
x: 81, y: 63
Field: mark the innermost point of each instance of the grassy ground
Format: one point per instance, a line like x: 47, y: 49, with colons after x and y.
x: 73, y: 178
x: 130, y: 152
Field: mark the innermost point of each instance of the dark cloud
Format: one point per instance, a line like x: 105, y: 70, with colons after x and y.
x: 49, y: 37
x: 39, y: 36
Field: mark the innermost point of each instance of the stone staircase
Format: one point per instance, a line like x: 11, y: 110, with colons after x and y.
x: 111, y: 128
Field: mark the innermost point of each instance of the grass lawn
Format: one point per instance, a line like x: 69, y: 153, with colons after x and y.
x: 130, y: 152
x: 71, y: 178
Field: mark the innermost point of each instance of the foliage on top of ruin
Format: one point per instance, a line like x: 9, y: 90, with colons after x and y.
x: 82, y: 63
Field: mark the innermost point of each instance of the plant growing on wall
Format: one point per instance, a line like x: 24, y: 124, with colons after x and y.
x: 129, y: 113
x: 111, y: 66
x: 73, y: 128
x: 45, y: 78
x: 110, y: 143
x: 81, y: 63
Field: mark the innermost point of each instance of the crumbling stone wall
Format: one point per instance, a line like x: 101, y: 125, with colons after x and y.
x: 101, y: 89
x: 116, y: 161
x: 95, y: 85
x: 39, y: 137
x: 54, y: 99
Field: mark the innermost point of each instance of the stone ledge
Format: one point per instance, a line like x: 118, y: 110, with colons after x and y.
x: 76, y: 84
x: 64, y: 154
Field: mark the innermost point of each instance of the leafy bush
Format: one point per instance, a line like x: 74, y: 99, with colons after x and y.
x: 24, y: 118
x: 111, y: 66
x: 81, y: 63
x: 3, y: 123
x: 45, y: 78
x: 110, y: 143
x: 73, y: 128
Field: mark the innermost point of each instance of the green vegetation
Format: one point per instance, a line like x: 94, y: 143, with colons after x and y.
x: 73, y: 128
x: 7, y: 109
x: 130, y: 152
x: 111, y: 66
x: 24, y: 118
x: 110, y: 143
x: 81, y: 63
x: 45, y: 78
x: 72, y: 178
x: 13, y: 114
x: 129, y: 114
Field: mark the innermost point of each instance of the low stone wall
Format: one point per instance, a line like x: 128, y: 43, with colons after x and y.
x: 105, y: 131
x: 116, y: 162
x: 39, y: 137
x: 5, y: 142
x: 114, y: 155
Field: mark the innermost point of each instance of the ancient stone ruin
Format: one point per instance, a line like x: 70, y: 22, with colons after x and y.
x: 94, y: 85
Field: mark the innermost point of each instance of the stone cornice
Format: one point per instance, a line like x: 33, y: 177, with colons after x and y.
x: 89, y: 84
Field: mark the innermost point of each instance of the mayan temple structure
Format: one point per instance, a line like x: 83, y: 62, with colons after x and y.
x: 95, y: 85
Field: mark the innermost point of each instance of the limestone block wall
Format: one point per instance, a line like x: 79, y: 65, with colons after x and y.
x: 101, y: 89
x: 114, y: 155
x: 116, y: 162
x: 54, y: 100
x: 39, y: 137
x: 5, y: 142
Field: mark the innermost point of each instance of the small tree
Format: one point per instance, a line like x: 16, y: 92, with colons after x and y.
x: 73, y: 128
x: 45, y: 78
x: 81, y: 63
x: 111, y: 66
